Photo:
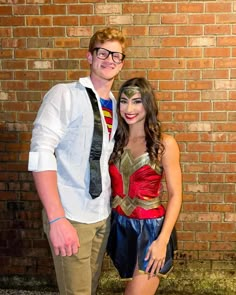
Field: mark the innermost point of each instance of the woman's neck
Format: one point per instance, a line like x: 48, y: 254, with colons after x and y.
x: 136, y: 132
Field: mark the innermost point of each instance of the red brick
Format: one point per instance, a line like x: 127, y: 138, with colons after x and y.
x: 217, y: 217
x: 186, y: 117
x: 61, y: 76
x: 26, y: 9
x: 13, y: 43
x: 53, y: 9
x: 208, y: 236
x: 38, y: 21
x: 198, y: 106
x: 189, y: 30
x: 222, y: 187
x: 12, y: 21
x: 187, y: 75
x: 217, y: 30
x: 174, y: 85
x: 197, y: 246
x: 80, y: 9
x: 162, y: 52
x: 27, y: 53
x: 230, y: 217
x: 13, y: 85
x: 174, y: 19
x: 53, y: 53
x: 171, y: 64
x: 147, y: 64
x: 50, y: 32
x: 210, y: 198
x: 15, y: 106
x: 174, y: 41
x: 67, y: 42
x: 187, y: 96
x: 5, y: 10
x: 221, y: 207
x: 39, y: 85
x: 186, y: 236
x: 6, y: 75
x: 223, y: 227
x: 135, y: 31
x: 225, y: 63
x: 222, y: 246
x: 190, y: 7
x: 162, y: 30
x: 212, y: 157
x: 6, y: 53
x: 229, y: 236
x: 211, y: 255
x: 216, y: 52
x: 195, y: 207
x: 200, y: 85
x: 84, y: 20
x: 215, y: 74
x: 202, y: 19
x: 163, y: 7
x: 5, y: 32
x: 199, y: 64
x: 230, y: 198
x: 137, y: 8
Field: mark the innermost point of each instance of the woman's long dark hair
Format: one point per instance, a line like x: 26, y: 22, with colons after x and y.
x: 152, y: 125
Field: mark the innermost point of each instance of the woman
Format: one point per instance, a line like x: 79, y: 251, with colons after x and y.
x: 142, y: 239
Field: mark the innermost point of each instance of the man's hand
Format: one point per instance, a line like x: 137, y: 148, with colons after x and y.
x: 64, y: 238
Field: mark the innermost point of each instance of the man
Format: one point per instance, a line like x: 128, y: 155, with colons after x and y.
x: 72, y: 139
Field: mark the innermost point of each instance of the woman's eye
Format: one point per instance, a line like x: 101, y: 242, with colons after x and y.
x: 123, y: 101
x: 138, y: 101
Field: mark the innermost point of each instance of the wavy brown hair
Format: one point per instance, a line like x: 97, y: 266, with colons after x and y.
x: 152, y: 126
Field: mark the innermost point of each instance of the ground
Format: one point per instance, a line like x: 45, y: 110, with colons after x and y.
x: 188, y: 282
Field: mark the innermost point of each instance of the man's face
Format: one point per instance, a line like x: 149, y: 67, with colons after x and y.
x: 105, y: 68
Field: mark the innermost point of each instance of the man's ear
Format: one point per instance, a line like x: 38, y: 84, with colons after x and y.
x: 89, y: 57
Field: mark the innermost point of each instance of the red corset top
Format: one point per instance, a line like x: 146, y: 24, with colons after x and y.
x: 134, y: 180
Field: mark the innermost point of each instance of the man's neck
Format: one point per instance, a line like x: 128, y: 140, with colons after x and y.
x: 102, y: 86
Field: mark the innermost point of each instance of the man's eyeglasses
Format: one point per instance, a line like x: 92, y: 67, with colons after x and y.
x: 103, y: 54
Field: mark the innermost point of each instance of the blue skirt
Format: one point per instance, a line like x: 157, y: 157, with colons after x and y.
x: 129, y: 241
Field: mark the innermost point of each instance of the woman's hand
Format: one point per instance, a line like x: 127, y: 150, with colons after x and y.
x: 156, y: 255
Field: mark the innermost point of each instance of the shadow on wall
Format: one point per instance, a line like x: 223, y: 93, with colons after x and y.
x: 24, y: 248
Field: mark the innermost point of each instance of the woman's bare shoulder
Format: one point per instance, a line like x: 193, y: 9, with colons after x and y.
x: 168, y: 140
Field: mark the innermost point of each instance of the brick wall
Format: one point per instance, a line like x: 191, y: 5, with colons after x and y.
x: 187, y: 49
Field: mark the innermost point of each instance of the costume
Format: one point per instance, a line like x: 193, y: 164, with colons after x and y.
x: 137, y: 215
x: 61, y: 141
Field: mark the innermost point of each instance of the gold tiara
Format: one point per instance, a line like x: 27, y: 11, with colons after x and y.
x: 129, y: 91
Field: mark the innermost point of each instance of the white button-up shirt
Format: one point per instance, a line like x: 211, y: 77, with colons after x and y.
x: 61, y: 141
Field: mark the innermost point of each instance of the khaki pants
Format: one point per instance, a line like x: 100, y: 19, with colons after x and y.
x: 79, y: 274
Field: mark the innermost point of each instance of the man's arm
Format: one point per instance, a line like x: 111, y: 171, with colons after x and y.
x: 62, y: 234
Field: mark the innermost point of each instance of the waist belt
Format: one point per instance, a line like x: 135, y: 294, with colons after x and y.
x: 128, y: 204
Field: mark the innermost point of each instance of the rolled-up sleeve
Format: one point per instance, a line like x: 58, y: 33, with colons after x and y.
x: 41, y: 161
x: 43, y: 144
x: 48, y: 129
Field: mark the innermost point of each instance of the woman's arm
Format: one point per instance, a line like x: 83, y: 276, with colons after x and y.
x: 171, y: 164
x: 173, y: 177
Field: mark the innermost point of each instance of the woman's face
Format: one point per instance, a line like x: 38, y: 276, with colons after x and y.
x: 131, y: 107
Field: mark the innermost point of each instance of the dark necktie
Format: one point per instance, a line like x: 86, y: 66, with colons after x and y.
x: 95, y: 187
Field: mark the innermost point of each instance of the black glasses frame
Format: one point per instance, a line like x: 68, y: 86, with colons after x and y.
x: 109, y: 52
